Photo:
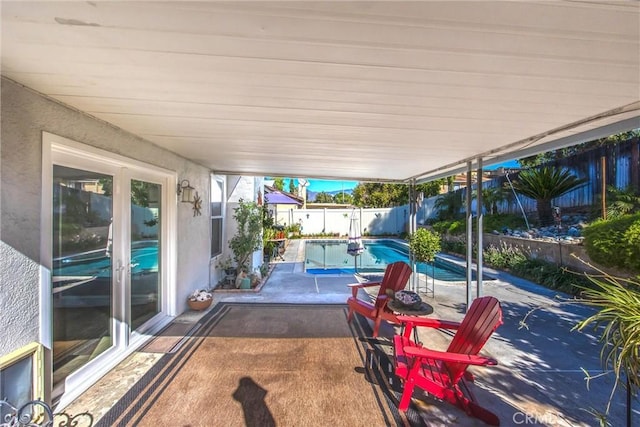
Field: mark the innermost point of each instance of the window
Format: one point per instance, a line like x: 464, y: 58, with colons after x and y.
x: 21, y: 377
x: 217, y: 213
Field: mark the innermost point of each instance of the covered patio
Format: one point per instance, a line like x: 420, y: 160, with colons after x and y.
x: 211, y: 96
x: 302, y: 88
x: 541, y: 371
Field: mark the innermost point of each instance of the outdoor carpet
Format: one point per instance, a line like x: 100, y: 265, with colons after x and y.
x: 269, y: 365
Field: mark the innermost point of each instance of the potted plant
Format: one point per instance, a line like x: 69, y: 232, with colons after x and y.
x: 248, y: 237
x: 200, y: 300
x: 226, y: 265
x: 424, y: 245
x: 268, y: 243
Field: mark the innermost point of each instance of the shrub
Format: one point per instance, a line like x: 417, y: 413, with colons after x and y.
x: 452, y: 227
x: 614, y: 243
x: 424, y: 244
x: 632, y: 239
x: 248, y: 237
x: 503, y: 257
x: 542, y: 272
x: 622, y: 201
x: 455, y: 245
x: 617, y: 326
x: 500, y: 221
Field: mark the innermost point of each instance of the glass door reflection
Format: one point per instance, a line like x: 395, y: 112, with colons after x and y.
x: 145, y: 251
x: 82, y: 268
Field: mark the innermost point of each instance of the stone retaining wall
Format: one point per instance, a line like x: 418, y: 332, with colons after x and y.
x: 560, y: 253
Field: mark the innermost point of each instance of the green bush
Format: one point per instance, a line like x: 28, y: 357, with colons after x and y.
x: 248, y: 237
x: 615, y: 242
x: 451, y: 227
x: 424, y: 244
x: 503, y: 257
x: 542, y: 272
x: 632, y: 238
x: 455, y: 246
x: 500, y: 221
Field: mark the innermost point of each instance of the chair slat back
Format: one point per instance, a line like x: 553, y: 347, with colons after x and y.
x: 482, y: 319
x: 395, y: 278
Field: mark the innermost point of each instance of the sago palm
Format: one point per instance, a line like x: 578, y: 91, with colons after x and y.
x: 622, y: 202
x: 449, y: 205
x: 545, y: 184
x: 491, y: 197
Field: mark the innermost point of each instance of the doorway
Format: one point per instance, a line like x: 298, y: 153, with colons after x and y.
x: 109, y: 285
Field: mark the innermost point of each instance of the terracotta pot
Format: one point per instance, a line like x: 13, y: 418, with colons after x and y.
x: 199, y: 305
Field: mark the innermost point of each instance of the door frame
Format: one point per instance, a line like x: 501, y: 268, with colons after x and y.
x: 76, y: 154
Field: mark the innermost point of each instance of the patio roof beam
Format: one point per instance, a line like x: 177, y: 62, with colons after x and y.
x: 525, y: 147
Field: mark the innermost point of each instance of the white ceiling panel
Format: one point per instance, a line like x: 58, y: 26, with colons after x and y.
x: 355, y: 90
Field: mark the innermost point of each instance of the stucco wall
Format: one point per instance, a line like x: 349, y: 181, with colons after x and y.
x: 24, y: 116
x: 238, y: 187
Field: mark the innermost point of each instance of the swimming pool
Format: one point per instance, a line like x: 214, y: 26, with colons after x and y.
x: 331, y: 257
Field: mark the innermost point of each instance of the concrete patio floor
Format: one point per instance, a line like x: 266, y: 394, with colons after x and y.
x: 539, y: 380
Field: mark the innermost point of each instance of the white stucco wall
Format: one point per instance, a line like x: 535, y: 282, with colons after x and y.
x: 24, y: 116
x: 238, y: 187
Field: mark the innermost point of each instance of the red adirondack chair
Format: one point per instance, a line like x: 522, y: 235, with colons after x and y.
x: 395, y: 278
x: 443, y: 374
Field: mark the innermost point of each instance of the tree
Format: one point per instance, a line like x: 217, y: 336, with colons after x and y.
x: 449, y: 205
x: 542, y: 158
x: 323, y: 197
x: 491, y: 196
x: 431, y: 188
x: 293, y: 189
x: 247, y: 239
x: 278, y: 184
x: 379, y: 195
x: 344, y: 198
x: 545, y: 184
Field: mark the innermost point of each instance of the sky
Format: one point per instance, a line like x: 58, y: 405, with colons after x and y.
x: 319, y: 185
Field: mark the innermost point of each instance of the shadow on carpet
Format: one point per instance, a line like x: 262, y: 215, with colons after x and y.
x: 269, y: 365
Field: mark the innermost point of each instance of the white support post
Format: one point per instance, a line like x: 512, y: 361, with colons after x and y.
x: 480, y: 228
x: 469, y: 223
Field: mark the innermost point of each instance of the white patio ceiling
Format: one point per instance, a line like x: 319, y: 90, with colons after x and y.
x: 359, y: 90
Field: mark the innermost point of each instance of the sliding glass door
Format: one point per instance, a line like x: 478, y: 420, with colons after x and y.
x: 82, y: 287
x: 108, y: 241
x: 145, y: 243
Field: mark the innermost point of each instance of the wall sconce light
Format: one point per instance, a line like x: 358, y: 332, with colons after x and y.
x: 186, y: 190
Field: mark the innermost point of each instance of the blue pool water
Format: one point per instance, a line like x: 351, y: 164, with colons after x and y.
x: 331, y: 257
x: 86, y: 276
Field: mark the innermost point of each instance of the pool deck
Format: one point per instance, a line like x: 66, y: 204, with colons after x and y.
x: 540, y: 375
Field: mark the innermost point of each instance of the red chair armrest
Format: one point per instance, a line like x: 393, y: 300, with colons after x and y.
x: 412, y: 321
x: 355, y: 286
x: 468, y: 359
x: 364, y: 285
